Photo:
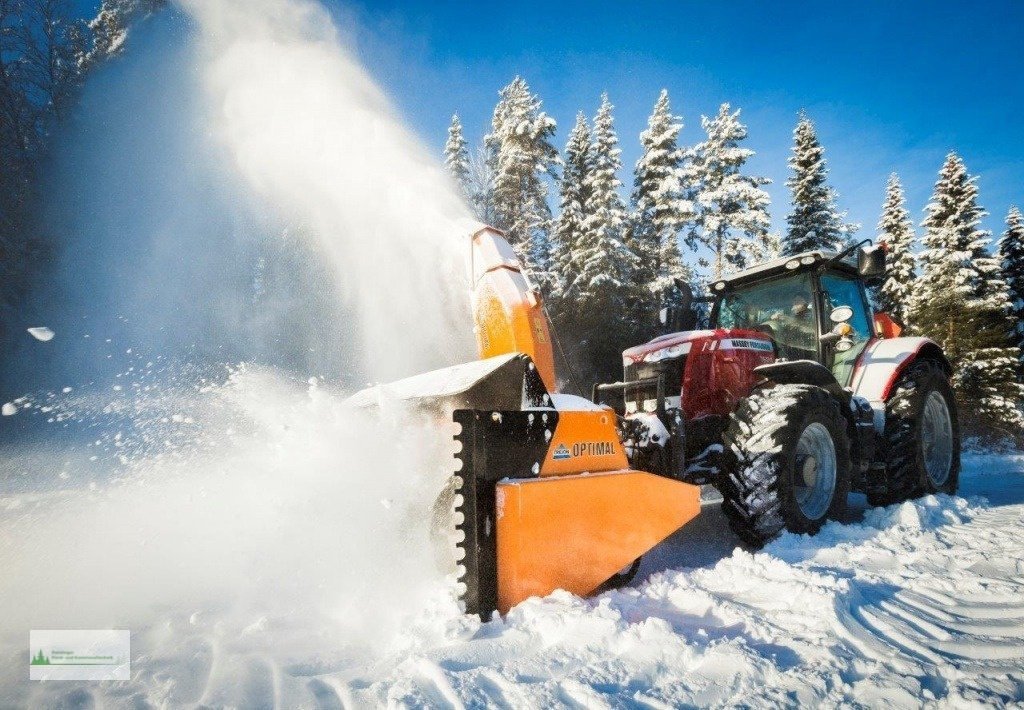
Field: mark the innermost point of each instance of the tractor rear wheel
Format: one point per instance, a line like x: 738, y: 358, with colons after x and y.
x: 791, y: 463
x: 922, y: 436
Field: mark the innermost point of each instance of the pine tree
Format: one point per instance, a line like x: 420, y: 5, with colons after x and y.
x: 521, y: 154
x: 481, y: 186
x: 111, y: 25
x: 814, y: 224
x: 731, y: 208
x: 574, y: 193
x: 456, y: 156
x: 896, y: 230
x: 1011, y: 257
x: 602, y: 290
x: 606, y: 263
x: 961, y: 302
x: 660, y: 207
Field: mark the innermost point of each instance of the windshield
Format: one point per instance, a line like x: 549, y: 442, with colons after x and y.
x: 782, y: 308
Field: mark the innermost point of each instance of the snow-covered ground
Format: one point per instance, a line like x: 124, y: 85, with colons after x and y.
x: 921, y: 603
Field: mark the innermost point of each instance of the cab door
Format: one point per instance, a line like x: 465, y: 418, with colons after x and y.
x: 843, y: 290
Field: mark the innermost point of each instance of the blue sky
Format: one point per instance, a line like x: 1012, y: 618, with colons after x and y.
x: 890, y: 85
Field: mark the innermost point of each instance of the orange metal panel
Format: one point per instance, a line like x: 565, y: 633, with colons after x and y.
x: 886, y: 327
x: 575, y: 532
x: 507, y: 311
x: 584, y: 440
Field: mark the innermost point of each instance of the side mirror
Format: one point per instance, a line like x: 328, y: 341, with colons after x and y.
x: 871, y: 261
x: 679, y: 314
x: 841, y: 314
x: 685, y: 295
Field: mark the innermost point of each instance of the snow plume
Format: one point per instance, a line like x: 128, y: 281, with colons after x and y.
x: 311, y: 133
x: 251, y: 515
x: 255, y: 512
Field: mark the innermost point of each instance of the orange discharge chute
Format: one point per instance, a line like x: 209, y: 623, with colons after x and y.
x: 508, y: 312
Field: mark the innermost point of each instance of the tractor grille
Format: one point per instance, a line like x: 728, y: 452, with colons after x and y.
x: 645, y: 398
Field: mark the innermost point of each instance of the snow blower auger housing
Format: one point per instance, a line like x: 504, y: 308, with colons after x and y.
x: 795, y: 394
x: 543, y: 495
x: 546, y: 500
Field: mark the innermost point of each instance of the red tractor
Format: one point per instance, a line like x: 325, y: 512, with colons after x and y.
x: 796, y: 394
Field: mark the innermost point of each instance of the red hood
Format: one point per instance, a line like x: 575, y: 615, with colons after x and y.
x: 685, y: 338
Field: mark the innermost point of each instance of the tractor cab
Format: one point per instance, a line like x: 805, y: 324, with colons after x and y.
x: 813, y: 306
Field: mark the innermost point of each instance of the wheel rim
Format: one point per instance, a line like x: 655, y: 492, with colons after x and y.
x: 937, y: 439
x: 814, y: 480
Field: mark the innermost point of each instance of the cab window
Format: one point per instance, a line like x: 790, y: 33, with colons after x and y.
x: 782, y: 308
x: 846, y: 291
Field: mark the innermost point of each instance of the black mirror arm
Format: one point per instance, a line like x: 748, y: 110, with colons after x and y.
x: 844, y: 253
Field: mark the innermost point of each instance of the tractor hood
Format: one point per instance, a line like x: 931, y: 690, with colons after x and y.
x: 674, y: 345
x: 664, y: 346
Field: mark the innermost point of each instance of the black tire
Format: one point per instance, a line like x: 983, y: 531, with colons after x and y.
x: 906, y: 475
x: 758, y: 488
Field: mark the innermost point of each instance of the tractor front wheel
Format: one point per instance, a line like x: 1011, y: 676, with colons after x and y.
x: 791, y: 463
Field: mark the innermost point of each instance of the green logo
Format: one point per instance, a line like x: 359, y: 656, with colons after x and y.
x: 79, y: 654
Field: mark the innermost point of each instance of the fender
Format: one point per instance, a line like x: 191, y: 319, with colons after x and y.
x: 801, y: 372
x: 884, y: 360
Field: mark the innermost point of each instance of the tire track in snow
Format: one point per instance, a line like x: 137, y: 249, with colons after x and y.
x: 955, y: 610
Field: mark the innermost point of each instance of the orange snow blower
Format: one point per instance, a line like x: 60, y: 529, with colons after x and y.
x: 544, y: 497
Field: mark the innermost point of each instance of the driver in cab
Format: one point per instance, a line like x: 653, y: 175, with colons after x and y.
x: 797, y: 330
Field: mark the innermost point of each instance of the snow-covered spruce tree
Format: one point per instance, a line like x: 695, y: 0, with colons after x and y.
x: 660, y: 207
x: 481, y: 185
x: 961, y: 302
x: 111, y: 25
x: 521, y: 154
x: 731, y: 209
x: 456, y: 156
x: 896, y: 230
x: 603, y: 288
x: 574, y: 192
x: 815, y: 223
x: 1011, y: 257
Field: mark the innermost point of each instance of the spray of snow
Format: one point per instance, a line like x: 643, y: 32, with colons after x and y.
x: 311, y: 133
x: 259, y: 498
x: 253, y: 508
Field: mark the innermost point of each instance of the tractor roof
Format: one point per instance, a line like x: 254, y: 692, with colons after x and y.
x: 783, y: 265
